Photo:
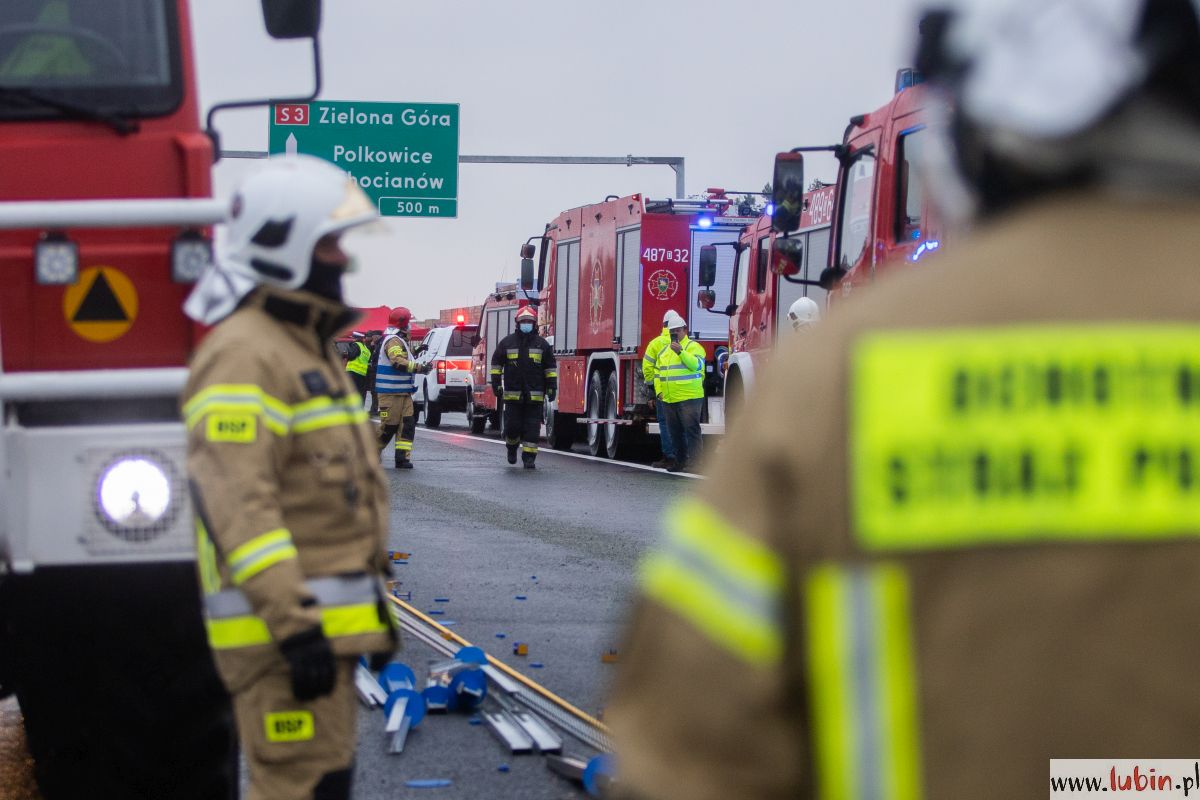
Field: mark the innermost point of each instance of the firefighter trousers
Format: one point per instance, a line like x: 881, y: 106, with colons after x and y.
x: 397, y: 418
x: 523, y: 426
x: 298, y: 749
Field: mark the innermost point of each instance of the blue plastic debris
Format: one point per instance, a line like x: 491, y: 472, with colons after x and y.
x: 503, y: 768
x: 520, y: 597
x: 475, y: 721
x: 533, y: 577
x: 435, y: 611
x: 428, y: 783
x: 441, y: 599
x: 501, y: 635
x: 536, y: 664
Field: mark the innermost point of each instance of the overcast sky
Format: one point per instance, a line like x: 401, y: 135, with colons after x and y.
x: 723, y: 84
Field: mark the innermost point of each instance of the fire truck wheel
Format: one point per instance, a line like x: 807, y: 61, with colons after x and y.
x: 615, y: 445
x: 735, y: 397
x: 475, y: 420
x: 597, y: 435
x: 433, y: 412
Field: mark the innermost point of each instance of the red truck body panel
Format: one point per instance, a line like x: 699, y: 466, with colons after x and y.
x: 63, y: 159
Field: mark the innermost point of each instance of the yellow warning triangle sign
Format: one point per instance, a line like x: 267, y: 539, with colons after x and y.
x: 102, y: 305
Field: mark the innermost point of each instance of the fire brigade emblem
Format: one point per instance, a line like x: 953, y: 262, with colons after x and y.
x: 596, y: 301
x: 662, y: 285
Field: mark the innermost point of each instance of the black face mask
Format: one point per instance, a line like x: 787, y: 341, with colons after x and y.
x: 325, y: 280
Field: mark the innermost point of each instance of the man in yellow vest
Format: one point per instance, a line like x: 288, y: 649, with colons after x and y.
x: 359, y: 365
x: 972, y: 553
x: 649, y: 374
x: 679, y: 376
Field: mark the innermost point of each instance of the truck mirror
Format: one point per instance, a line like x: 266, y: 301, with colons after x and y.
x: 731, y: 309
x: 787, y: 192
x: 706, y: 299
x: 708, y: 265
x: 831, y: 277
x: 527, y: 274
x: 292, y: 19
x: 528, y: 250
x: 786, y: 257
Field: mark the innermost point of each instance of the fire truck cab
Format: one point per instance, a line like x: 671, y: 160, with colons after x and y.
x: 882, y: 215
x: 105, y: 213
x: 766, y: 281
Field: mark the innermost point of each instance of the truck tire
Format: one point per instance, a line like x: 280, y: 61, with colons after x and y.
x: 614, y: 445
x: 433, y: 412
x: 560, y: 428
x: 597, y: 436
x: 117, y: 687
x: 475, y: 420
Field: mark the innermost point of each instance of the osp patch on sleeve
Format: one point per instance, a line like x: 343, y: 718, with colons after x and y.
x: 239, y: 428
x: 289, y: 726
x: 1011, y: 435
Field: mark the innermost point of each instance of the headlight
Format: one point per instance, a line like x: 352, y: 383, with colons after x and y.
x: 190, y: 256
x: 56, y: 259
x: 134, y: 497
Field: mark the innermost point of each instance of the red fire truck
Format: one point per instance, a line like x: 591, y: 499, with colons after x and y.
x: 881, y: 213
x: 608, y: 272
x: 766, y: 282
x: 105, y: 211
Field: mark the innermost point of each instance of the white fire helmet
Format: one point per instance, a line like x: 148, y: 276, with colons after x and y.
x: 672, y: 320
x: 804, y: 313
x: 277, y: 215
x: 1046, y: 92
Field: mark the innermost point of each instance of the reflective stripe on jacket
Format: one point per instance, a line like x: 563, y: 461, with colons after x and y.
x: 680, y: 376
x: 525, y: 362
x: 393, y: 369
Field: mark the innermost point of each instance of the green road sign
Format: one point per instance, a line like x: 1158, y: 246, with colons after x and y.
x: 404, y: 155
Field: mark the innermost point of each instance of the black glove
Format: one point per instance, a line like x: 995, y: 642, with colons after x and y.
x: 496, y: 388
x: 551, y: 393
x: 311, y: 660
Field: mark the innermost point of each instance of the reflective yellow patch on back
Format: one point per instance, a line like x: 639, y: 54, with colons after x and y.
x: 289, y: 726
x: 1015, y: 435
x: 239, y: 428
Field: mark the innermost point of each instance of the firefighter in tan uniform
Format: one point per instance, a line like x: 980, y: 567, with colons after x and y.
x: 290, y: 503
x: 976, y: 549
x: 395, y: 383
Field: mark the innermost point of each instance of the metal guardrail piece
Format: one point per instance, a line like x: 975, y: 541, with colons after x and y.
x: 533, y: 696
x: 508, y: 731
x: 93, y: 384
x: 149, y: 213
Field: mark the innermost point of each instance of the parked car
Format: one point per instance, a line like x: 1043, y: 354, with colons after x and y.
x: 445, y: 387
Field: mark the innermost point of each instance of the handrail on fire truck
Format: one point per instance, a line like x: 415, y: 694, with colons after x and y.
x: 165, y: 212
x: 105, y: 384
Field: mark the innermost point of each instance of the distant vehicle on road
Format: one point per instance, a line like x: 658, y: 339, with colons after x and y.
x: 445, y: 388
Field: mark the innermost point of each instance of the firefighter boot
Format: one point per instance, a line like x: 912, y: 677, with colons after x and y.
x: 528, y: 457
x: 512, y: 454
x: 402, y: 460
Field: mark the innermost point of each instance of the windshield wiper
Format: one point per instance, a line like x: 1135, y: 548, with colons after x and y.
x: 118, y: 123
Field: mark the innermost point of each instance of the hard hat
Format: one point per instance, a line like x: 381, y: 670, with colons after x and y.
x: 399, y: 318
x: 672, y: 320
x: 1061, y: 93
x: 280, y: 212
x: 277, y: 215
x: 804, y: 313
x: 526, y: 313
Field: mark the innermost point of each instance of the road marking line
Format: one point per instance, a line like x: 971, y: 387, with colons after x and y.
x: 548, y: 451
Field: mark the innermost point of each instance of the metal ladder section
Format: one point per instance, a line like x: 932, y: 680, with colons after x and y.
x: 513, y: 686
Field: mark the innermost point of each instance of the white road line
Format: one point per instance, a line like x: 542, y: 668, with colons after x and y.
x: 549, y: 451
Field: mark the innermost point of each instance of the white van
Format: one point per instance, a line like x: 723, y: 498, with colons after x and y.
x: 445, y: 387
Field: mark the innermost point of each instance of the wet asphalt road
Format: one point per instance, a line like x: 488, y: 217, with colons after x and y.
x: 565, y: 536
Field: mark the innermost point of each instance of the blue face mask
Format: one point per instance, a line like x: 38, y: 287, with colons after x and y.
x: 526, y: 327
